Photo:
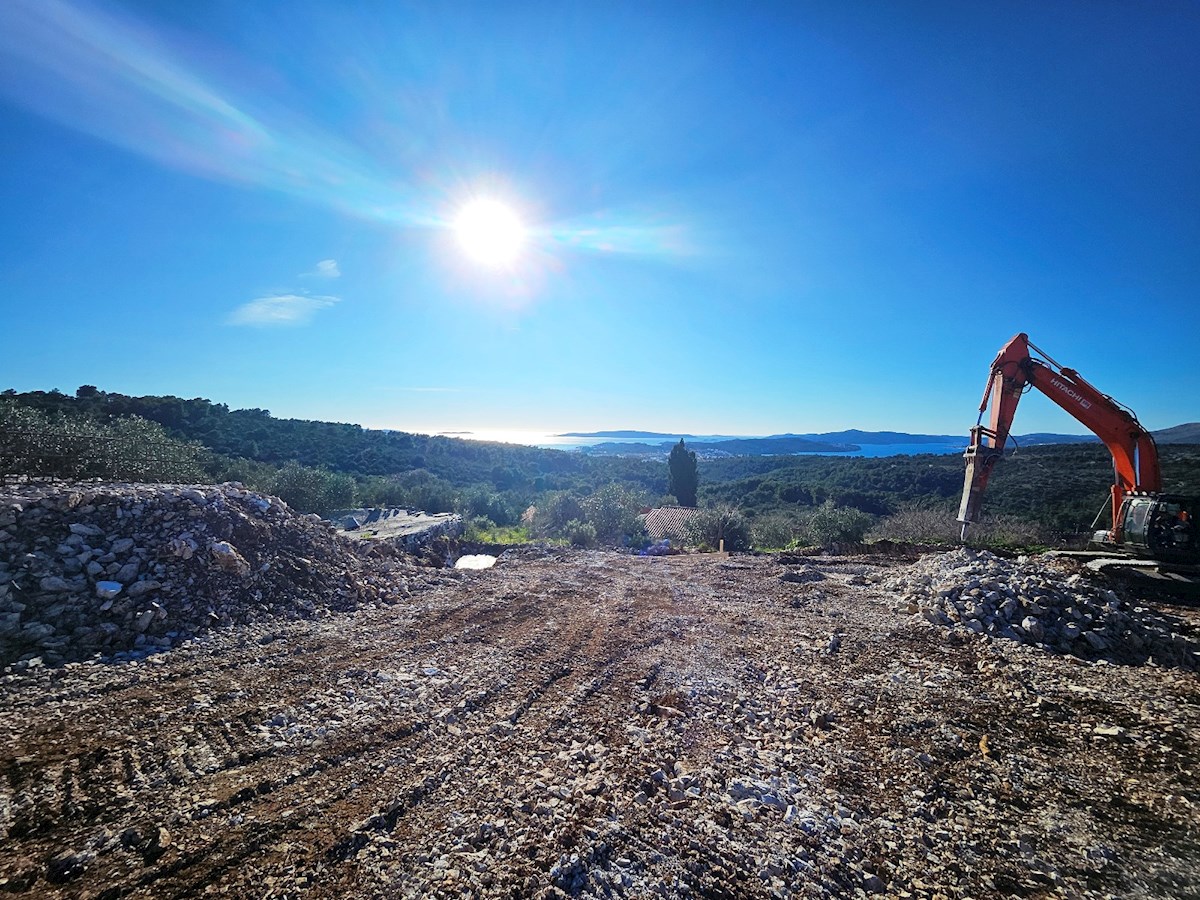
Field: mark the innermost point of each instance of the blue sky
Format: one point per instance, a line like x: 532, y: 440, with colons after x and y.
x: 742, y: 218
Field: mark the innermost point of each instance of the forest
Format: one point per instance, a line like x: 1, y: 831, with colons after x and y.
x: 1041, y: 494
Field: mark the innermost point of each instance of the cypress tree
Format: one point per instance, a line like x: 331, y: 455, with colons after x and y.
x: 685, y: 478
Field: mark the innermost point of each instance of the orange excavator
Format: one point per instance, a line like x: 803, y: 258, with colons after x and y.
x: 1145, y: 521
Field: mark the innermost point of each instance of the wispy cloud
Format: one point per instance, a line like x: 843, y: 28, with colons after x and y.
x: 326, y: 268
x: 107, y: 72
x: 637, y: 235
x: 280, y: 309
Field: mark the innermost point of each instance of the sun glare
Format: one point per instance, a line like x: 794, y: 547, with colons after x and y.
x: 489, y: 232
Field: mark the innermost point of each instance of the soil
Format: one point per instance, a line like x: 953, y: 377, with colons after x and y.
x: 585, y: 723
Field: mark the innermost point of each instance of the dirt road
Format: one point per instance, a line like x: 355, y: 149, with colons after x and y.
x: 594, y: 724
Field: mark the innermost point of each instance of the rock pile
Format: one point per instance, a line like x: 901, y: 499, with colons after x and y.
x: 1035, y: 603
x: 112, y: 569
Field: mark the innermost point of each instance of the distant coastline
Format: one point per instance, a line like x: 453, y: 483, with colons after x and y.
x: 624, y: 434
x: 627, y: 442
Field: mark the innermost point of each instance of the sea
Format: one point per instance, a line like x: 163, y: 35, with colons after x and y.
x: 902, y: 449
x: 564, y: 442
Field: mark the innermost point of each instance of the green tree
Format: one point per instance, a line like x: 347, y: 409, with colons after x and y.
x: 685, y: 479
x: 613, y: 512
x: 313, y: 490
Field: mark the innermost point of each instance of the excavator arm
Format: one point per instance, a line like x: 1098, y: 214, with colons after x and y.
x: 1134, y: 454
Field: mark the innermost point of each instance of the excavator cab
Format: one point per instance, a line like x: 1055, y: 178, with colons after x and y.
x: 1159, y: 525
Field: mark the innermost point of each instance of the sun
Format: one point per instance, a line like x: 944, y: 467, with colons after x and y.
x: 489, y: 232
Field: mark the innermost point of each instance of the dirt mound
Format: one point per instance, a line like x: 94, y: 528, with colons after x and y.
x: 119, y: 568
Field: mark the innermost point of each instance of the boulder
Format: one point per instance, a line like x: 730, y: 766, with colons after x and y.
x: 227, y: 558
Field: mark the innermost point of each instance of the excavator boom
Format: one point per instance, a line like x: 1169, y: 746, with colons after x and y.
x: 1134, y: 454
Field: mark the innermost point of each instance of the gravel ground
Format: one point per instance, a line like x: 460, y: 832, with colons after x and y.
x: 598, y: 725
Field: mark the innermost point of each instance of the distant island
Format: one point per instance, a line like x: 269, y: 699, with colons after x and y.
x: 853, y: 436
x: 1188, y: 433
x: 780, y: 446
x: 648, y: 435
x: 900, y: 437
x: 630, y: 442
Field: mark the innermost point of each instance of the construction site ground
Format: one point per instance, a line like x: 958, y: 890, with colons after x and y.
x: 594, y: 724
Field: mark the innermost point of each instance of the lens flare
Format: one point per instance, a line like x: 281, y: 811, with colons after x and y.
x: 103, y: 71
x: 489, y: 232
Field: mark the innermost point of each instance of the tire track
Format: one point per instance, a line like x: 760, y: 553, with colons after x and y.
x: 515, y: 732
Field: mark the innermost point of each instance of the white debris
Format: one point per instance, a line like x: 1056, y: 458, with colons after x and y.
x: 475, y: 561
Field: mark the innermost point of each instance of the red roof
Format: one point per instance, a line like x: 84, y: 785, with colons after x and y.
x: 670, y: 521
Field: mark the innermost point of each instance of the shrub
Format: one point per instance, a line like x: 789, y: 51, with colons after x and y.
x: 418, y: 489
x: 374, y: 490
x: 939, y: 526
x: 258, y: 476
x: 492, y: 504
x: 483, y: 530
x: 613, y: 512
x: 428, y: 492
x: 1004, y: 532
x: 313, y: 490
x: 917, y: 525
x: 477, y: 528
x: 555, y: 511
x: 721, y: 523
x: 778, y: 531
x: 836, y: 525
x: 580, y: 534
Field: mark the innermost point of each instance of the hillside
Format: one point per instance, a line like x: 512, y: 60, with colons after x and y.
x: 322, y: 466
x: 1180, y: 434
x: 257, y: 435
x: 1060, y: 486
x: 384, y: 467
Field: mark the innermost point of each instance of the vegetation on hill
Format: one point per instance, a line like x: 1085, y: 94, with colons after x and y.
x: 1188, y: 433
x: 323, y: 466
x: 121, y: 449
x: 1037, y: 495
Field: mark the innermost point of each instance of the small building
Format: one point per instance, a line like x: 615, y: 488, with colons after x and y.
x: 675, y: 522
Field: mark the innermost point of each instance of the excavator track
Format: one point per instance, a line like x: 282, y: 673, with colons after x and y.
x: 1162, y: 579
